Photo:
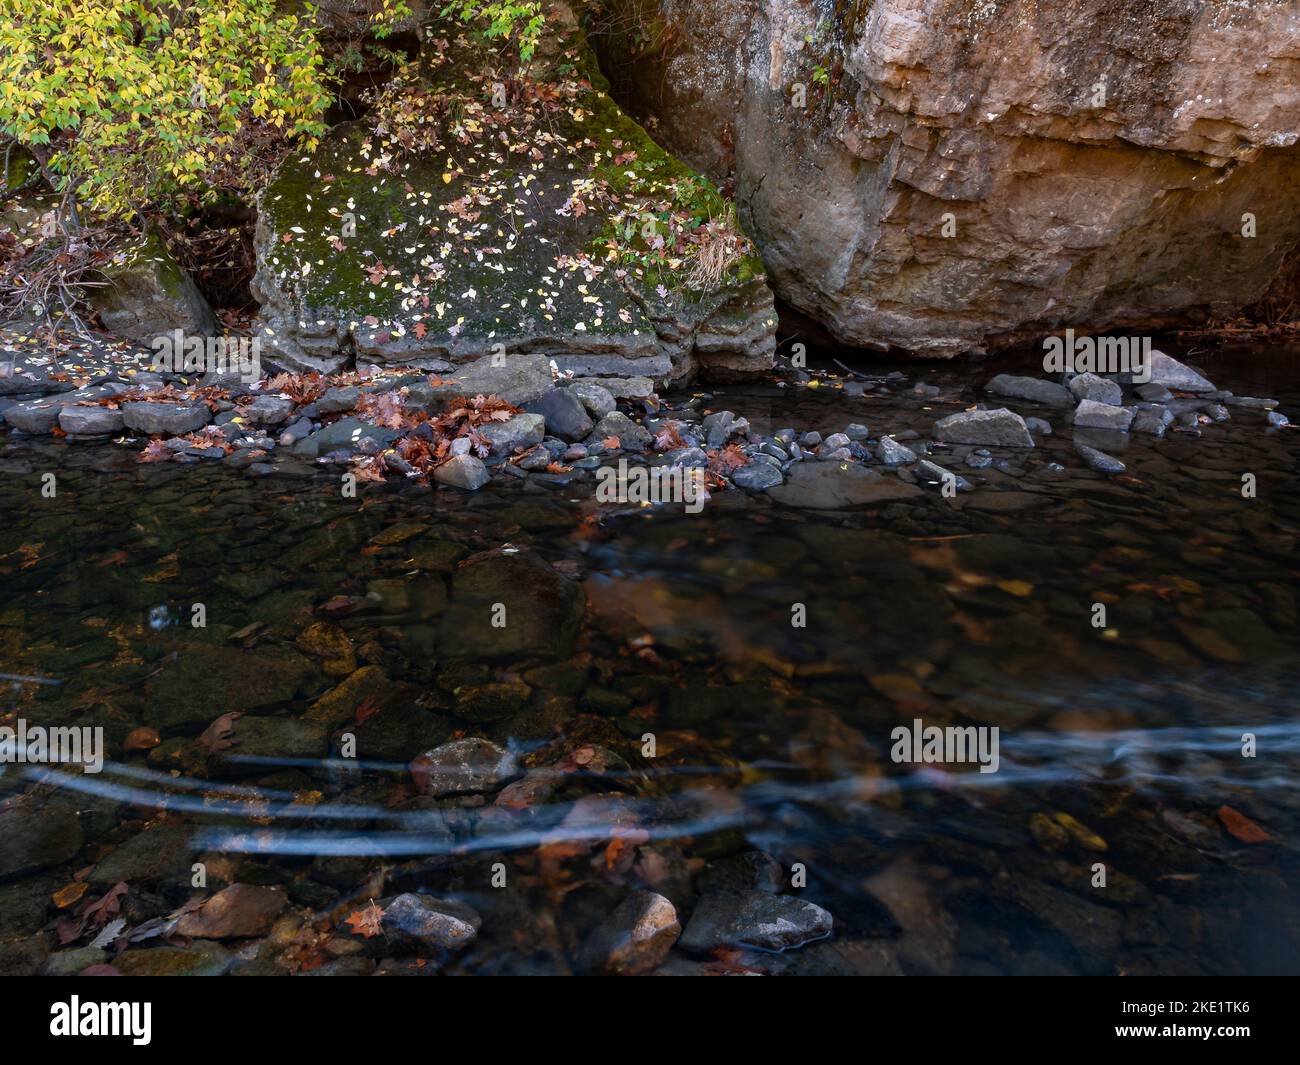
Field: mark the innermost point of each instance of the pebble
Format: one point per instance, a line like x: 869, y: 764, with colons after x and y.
x: 1099, y: 460
x: 634, y: 939
x: 754, y: 919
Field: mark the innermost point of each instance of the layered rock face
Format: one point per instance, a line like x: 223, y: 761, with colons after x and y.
x: 966, y: 175
x: 478, y: 212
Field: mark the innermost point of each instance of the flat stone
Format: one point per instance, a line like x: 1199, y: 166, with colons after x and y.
x: 757, y: 476
x: 1093, y: 415
x: 1032, y: 389
x: 517, y: 379
x: 992, y: 428
x: 91, y: 421
x: 1154, y: 393
x: 39, y: 416
x: 462, y: 471
x: 830, y: 486
x: 267, y: 410
x: 754, y: 919
x: 239, y: 911
x: 462, y: 767
x: 346, y: 433
x: 170, y: 419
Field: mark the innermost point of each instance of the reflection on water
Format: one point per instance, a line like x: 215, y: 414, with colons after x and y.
x: 371, y: 619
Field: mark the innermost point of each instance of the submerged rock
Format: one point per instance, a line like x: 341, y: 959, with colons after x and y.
x: 36, y: 836
x: 634, y: 939
x: 754, y: 919
x: 1032, y: 389
x: 463, y: 766
x: 429, y: 926
x: 1099, y: 460
x: 830, y: 486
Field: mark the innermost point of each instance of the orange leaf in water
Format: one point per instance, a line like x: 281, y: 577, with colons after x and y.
x: 66, y: 896
x: 1241, y: 827
x: 366, y: 922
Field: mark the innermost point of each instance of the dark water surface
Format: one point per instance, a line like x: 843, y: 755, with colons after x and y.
x: 1118, y: 745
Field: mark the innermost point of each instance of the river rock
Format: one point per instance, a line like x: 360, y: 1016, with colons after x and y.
x: 542, y: 609
x: 168, y: 419
x: 428, y: 926
x: 344, y: 434
x: 1031, y: 389
x: 1099, y: 389
x: 91, y: 421
x: 462, y: 471
x: 565, y: 414
x: 1153, y: 420
x: 237, y: 912
x: 463, y: 766
x: 1099, y: 460
x: 891, y: 453
x: 206, y: 680
x: 595, y: 398
x: 757, y: 476
x: 754, y: 919
x: 634, y: 939
x: 993, y: 428
x: 521, y: 431
x: 1093, y: 415
x: 35, y: 836
x: 1172, y: 374
x: 631, y: 437
x: 830, y: 486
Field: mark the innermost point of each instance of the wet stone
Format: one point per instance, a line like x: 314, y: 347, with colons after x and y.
x: 171, y: 419
x: 1031, y: 389
x: 757, y: 477
x: 462, y: 471
x: 428, y: 926
x: 596, y: 399
x: 993, y: 428
x: 747, y: 871
x: 1093, y: 415
x: 203, y: 958
x: 1172, y: 374
x: 1099, y: 460
x: 1152, y: 421
x: 892, y: 453
x: 754, y: 919
x: 463, y: 766
x: 521, y: 431
x: 635, y: 939
x: 1098, y: 389
x: 35, y: 837
x: 564, y: 413
x: 631, y: 437
x: 91, y: 421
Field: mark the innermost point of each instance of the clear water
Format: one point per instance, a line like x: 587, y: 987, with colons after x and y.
x: 771, y: 736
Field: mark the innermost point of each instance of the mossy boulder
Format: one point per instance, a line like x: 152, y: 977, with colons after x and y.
x: 477, y: 212
x: 146, y: 294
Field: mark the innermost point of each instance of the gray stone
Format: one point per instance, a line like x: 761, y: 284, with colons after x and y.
x: 462, y: 471
x: 1277, y: 419
x: 835, y: 441
x: 757, y: 476
x: 35, y: 836
x: 932, y: 471
x: 634, y: 939
x: 1099, y: 389
x: 754, y: 919
x: 170, y: 419
x: 1099, y: 460
x: 267, y: 410
x: 890, y: 452
x: 595, y: 398
x: 146, y: 295
x: 1252, y: 402
x: 994, y: 428
x: 857, y: 431
x: 1154, y: 393
x: 827, y: 486
x: 1039, y: 426
x: 346, y: 433
x: 1152, y: 420
x: 517, y: 379
x: 91, y: 421
x: 462, y: 767
x: 565, y: 415
x: 429, y: 926
x: 39, y: 416
x: 1093, y: 415
x: 1032, y: 389
x: 521, y: 431
x: 1171, y: 373
x: 631, y: 437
